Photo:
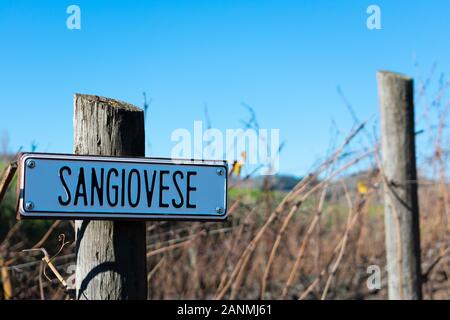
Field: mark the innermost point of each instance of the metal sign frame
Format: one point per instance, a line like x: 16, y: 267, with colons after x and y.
x: 28, y: 213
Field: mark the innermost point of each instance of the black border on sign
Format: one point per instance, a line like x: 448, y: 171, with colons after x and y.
x: 60, y: 215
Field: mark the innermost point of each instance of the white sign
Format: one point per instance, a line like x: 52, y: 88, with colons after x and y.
x: 60, y: 186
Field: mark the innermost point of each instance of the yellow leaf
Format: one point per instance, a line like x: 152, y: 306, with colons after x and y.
x: 236, y: 169
x: 362, y: 188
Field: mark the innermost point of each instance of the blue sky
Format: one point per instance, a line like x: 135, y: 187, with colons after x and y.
x: 283, y: 58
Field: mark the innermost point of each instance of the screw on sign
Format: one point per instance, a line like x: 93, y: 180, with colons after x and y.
x: 31, y: 164
x: 29, y: 205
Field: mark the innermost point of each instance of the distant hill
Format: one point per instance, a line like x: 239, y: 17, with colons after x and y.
x: 277, y: 182
x: 287, y: 182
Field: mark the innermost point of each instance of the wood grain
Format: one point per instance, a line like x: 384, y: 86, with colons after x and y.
x: 400, y: 188
x: 111, y: 255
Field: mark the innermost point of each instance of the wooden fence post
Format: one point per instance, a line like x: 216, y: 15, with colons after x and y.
x: 111, y: 255
x: 400, y: 192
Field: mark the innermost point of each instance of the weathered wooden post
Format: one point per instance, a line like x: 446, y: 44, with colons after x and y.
x: 111, y: 255
x: 400, y: 192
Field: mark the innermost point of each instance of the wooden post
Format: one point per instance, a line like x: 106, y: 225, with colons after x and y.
x: 111, y: 255
x: 400, y: 192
